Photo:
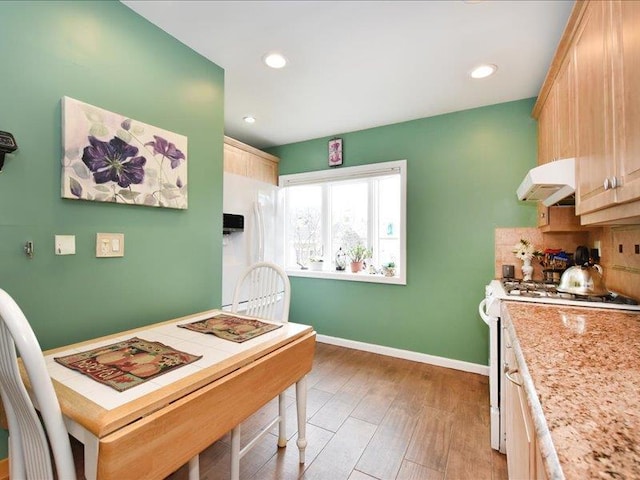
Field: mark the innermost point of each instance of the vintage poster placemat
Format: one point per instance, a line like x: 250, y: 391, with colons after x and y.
x: 125, y: 364
x: 229, y: 327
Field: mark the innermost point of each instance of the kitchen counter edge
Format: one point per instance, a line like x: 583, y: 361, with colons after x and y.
x: 543, y: 434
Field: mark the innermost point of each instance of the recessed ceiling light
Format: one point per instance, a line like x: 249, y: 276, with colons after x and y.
x: 275, y: 60
x: 483, y: 71
x: 249, y: 119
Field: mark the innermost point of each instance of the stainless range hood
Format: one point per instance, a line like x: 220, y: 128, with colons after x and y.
x: 549, y: 183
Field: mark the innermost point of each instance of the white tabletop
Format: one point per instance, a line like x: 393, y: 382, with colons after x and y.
x: 212, y: 348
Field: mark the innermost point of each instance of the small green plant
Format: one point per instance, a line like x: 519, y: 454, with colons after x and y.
x: 359, y: 252
x: 389, y: 269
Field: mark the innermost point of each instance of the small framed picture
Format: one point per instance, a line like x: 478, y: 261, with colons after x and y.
x: 335, y: 152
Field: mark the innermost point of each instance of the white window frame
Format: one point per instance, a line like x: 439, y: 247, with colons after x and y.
x: 353, y: 173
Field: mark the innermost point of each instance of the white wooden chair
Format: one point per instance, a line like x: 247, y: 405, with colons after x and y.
x: 29, y: 456
x: 268, y: 290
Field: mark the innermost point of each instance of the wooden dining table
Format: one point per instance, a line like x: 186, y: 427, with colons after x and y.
x: 152, y: 429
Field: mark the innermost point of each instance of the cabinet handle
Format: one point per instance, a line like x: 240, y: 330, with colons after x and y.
x: 508, y: 374
x: 542, y: 214
x: 611, y: 183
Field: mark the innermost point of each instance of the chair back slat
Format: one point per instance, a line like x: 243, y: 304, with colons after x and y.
x: 29, y: 455
x: 268, y: 292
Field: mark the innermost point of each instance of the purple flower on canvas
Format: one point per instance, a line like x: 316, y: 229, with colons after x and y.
x: 114, y: 161
x: 126, y: 124
x: 167, y: 149
x: 179, y: 183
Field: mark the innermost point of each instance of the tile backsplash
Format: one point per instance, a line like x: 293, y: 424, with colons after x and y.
x: 625, y: 249
x: 620, y: 262
x: 619, y: 252
x: 507, y: 238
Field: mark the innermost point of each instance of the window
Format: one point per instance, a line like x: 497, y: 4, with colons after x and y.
x: 328, y: 213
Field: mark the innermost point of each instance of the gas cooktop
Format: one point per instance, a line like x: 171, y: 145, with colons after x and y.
x: 548, y: 291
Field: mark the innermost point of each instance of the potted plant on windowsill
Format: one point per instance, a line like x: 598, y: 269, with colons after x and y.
x: 389, y: 269
x: 358, y: 254
x: 316, y: 263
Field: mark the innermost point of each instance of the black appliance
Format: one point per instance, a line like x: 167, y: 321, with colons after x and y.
x: 232, y: 223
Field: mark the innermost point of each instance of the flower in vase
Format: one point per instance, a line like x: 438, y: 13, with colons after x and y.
x: 524, y: 250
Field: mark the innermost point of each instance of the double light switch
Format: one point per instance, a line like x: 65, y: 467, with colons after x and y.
x: 110, y: 245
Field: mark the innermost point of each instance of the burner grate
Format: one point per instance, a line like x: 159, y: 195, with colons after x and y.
x: 532, y: 289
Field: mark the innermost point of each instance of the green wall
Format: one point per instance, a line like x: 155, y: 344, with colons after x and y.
x: 104, y: 54
x: 463, y: 171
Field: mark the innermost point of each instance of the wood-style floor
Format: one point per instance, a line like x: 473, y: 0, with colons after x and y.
x: 372, y: 417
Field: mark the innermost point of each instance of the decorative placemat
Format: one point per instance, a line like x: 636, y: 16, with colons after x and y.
x: 229, y: 327
x: 125, y: 364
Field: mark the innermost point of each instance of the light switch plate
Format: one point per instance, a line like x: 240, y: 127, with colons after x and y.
x: 110, y: 245
x: 65, y: 244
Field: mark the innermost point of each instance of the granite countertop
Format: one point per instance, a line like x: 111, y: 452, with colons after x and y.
x: 581, y: 374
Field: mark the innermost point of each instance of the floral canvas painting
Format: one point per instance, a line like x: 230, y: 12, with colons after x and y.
x: 112, y: 158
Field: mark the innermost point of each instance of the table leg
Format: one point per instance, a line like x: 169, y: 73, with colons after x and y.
x: 91, y: 445
x: 282, y: 421
x: 235, y: 453
x: 301, y: 406
x: 90, y: 457
x: 194, y: 468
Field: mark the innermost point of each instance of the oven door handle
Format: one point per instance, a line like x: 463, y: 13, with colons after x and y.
x: 510, y: 371
x: 483, y: 312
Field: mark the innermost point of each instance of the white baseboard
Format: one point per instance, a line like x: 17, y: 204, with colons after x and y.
x: 406, y: 355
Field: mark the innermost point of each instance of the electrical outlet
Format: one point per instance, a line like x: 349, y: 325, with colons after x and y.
x: 110, y: 245
x: 626, y: 245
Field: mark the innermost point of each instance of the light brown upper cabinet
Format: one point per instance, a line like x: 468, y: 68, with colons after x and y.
x: 565, y: 139
x: 556, y: 137
x: 245, y: 160
x: 546, y: 129
x: 593, y: 82
x: 556, y: 125
x: 555, y: 111
x: 626, y: 21
x: 593, y: 51
x: 609, y: 177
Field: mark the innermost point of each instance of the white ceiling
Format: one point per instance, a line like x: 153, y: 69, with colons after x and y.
x: 360, y: 64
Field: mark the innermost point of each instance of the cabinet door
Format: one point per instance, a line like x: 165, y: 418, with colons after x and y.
x: 626, y: 24
x: 594, y: 143
x: 520, y: 441
x: 248, y: 163
x: 565, y: 143
x: 235, y: 160
x: 543, y: 215
x: 263, y: 169
x: 556, y: 123
x: 546, y: 129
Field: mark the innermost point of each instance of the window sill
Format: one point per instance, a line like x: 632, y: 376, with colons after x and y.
x: 346, y: 275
